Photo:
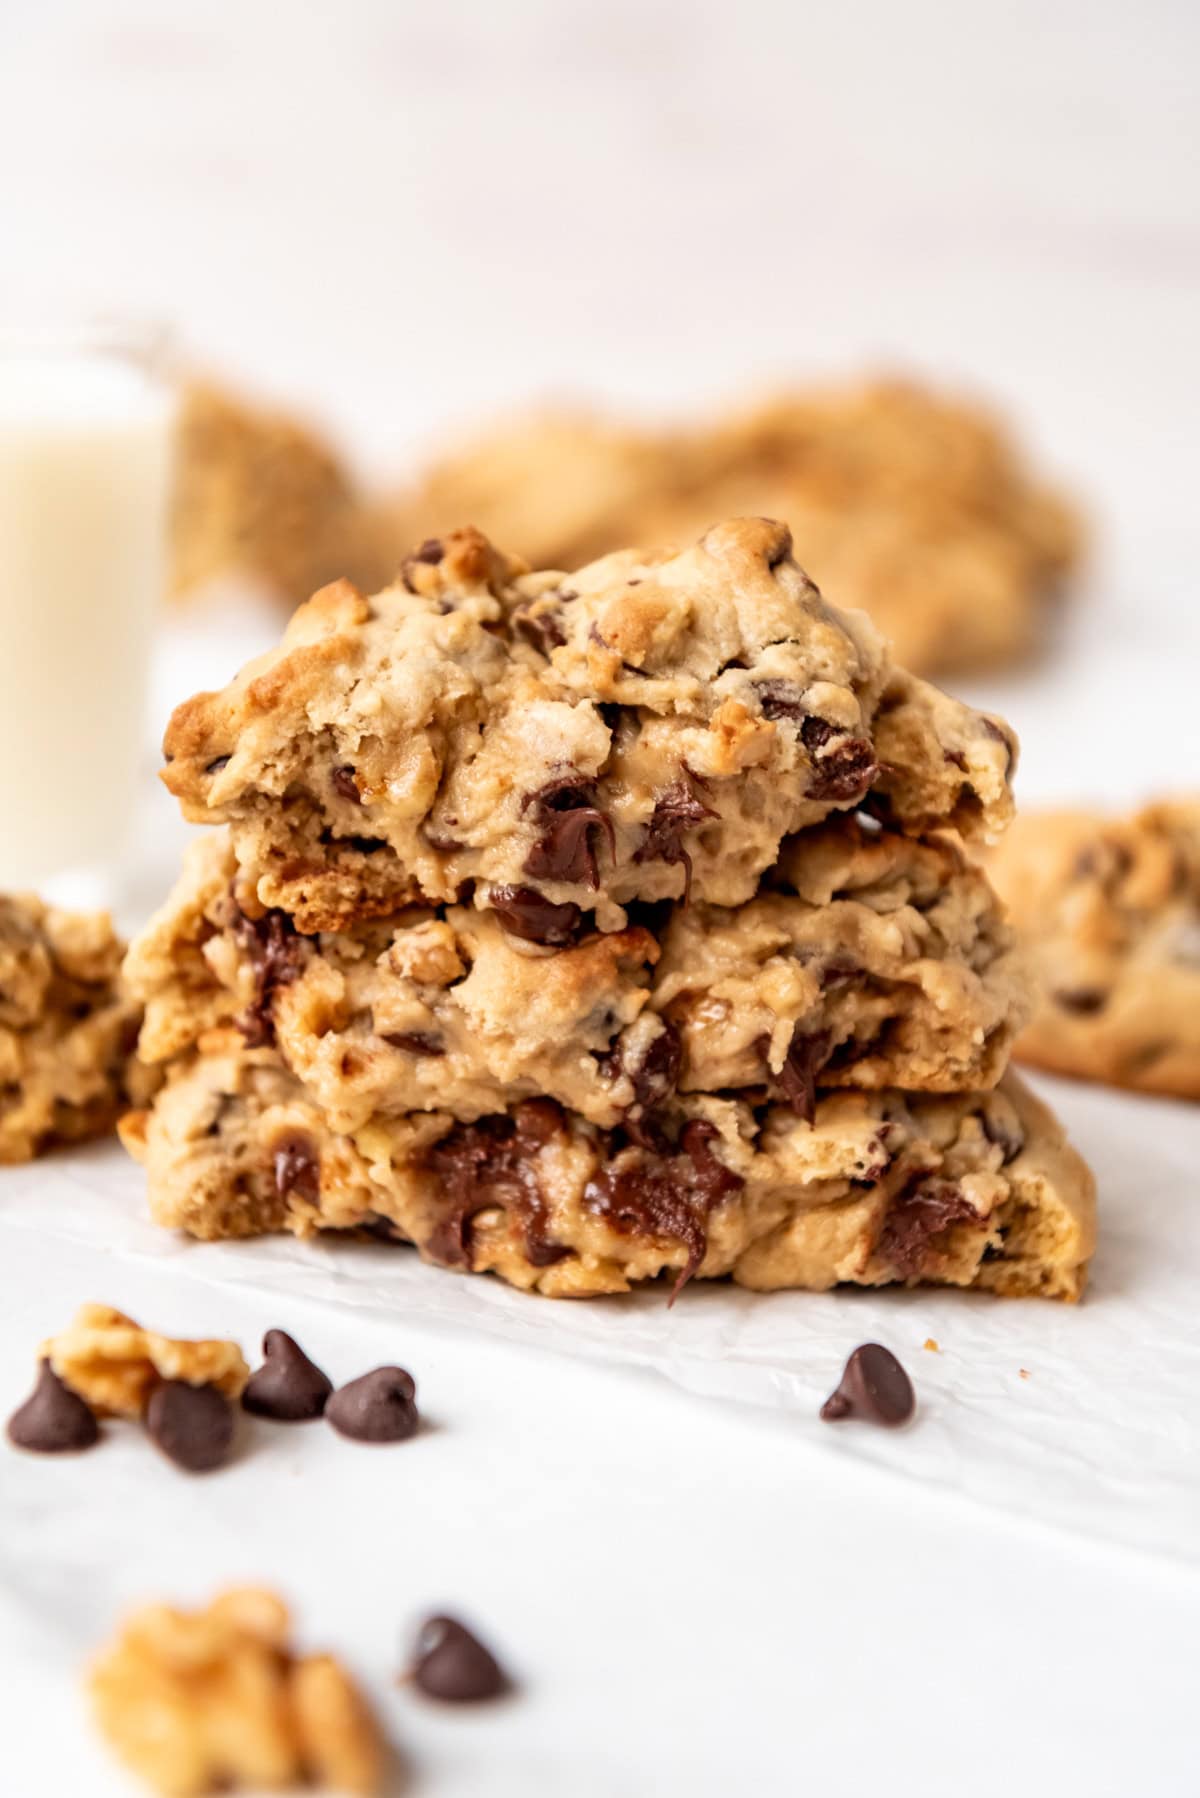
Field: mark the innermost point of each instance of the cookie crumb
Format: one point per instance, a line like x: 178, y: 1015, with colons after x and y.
x: 931, y: 1344
x: 1024, y: 1372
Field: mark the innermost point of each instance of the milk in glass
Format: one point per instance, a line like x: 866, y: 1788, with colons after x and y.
x: 85, y: 452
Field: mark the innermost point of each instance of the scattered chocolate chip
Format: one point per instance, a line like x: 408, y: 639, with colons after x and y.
x: 53, y: 1420
x: 430, y: 552
x: 874, y: 1387
x: 676, y: 809
x: 288, y: 1387
x: 490, y: 1164
x: 1083, y: 1000
x: 843, y: 766
x: 297, y: 1167
x: 345, y: 784
x: 193, y: 1425
x: 380, y: 1406
x: 217, y: 763
x: 780, y: 699
x: 451, y: 1664
x: 526, y: 913
x: 654, y: 1077
x: 917, y: 1215
x: 1007, y: 1136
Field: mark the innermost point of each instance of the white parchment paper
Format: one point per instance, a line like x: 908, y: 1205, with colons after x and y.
x: 1085, y: 1417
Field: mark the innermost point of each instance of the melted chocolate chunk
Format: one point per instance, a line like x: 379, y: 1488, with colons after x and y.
x: 193, y: 1425
x: 667, y: 1197
x: 843, y: 766
x: 380, y: 1406
x: 676, y: 809
x: 276, y: 954
x: 297, y: 1167
x: 1008, y: 1138
x: 53, y: 1420
x: 780, y: 699
x: 345, y: 784
x: 492, y: 1164
x: 543, y: 630
x: 451, y: 1664
x: 873, y: 1387
x: 566, y: 809
x: 526, y: 913
x: 916, y: 1217
x: 807, y: 1054
x: 1084, y: 1001
x: 288, y: 1387
x: 654, y: 1077
x: 415, y: 1041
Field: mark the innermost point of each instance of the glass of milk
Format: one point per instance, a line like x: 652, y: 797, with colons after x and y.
x: 86, y: 434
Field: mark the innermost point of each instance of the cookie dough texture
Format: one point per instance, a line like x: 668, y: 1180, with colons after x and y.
x: 114, y: 1365
x: 650, y: 728
x: 217, y: 1700
x: 913, y: 506
x: 871, y: 960
x: 973, y: 1190
x: 1110, y: 911
x: 67, y: 1028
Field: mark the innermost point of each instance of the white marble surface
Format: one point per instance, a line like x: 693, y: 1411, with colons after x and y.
x: 405, y: 213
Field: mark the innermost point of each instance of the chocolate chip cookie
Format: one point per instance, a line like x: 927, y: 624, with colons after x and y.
x: 67, y: 1028
x: 872, y: 960
x: 971, y: 1189
x: 650, y: 729
x: 1110, y: 910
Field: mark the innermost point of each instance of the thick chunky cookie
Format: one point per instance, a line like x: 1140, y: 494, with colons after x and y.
x: 650, y: 729
x: 217, y: 1700
x: 1110, y: 910
x: 914, y: 507
x: 970, y: 1190
x: 875, y: 960
x: 67, y: 1028
x: 260, y: 496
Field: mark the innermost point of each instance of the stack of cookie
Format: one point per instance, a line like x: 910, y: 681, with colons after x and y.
x: 589, y: 929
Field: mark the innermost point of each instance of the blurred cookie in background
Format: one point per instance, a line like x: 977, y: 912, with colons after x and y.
x: 1110, y: 909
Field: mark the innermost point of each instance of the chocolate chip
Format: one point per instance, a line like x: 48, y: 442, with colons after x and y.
x: 53, y: 1420
x: 676, y: 809
x: 654, y: 1077
x: 288, y: 1387
x: 451, y: 1664
x: 780, y: 699
x: 415, y: 1041
x: 843, y: 766
x: 666, y: 1197
x: 297, y: 1167
x: 380, y: 1406
x: 1083, y: 1000
x: 430, y: 552
x: 193, y: 1425
x: 807, y: 1053
x: 874, y: 1387
x: 566, y: 809
x: 345, y: 784
x: 276, y: 954
x: 542, y: 629
x: 528, y: 914
x: 919, y: 1213
x: 491, y: 1164
x: 217, y: 763
x: 1007, y: 1137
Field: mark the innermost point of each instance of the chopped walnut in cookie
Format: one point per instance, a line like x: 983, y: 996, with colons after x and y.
x: 215, y: 1699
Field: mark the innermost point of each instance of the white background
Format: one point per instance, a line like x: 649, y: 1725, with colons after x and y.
x: 404, y: 215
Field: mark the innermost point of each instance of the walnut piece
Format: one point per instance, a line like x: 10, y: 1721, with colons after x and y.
x: 114, y: 1365
x: 210, y: 1700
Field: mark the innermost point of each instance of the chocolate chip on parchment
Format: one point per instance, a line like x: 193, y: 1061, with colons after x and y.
x: 193, y: 1425
x: 873, y: 1387
x: 526, y: 913
x: 380, y: 1406
x: 451, y: 1664
x: 288, y: 1387
x: 53, y: 1420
